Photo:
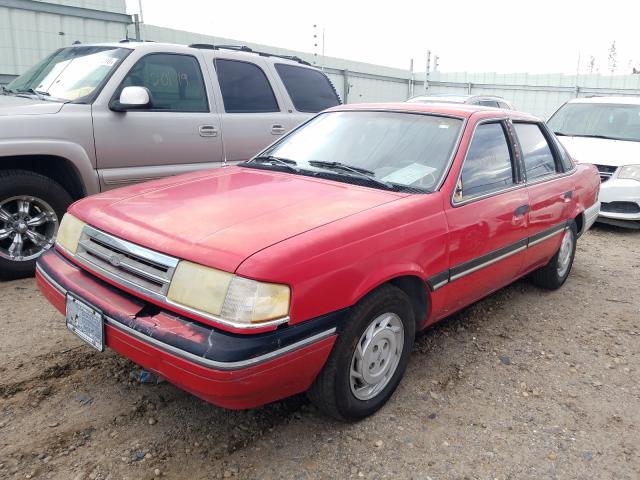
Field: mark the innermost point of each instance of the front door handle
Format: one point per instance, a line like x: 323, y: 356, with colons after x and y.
x: 208, y: 131
x: 521, y: 210
x: 567, y: 196
x: 277, y: 129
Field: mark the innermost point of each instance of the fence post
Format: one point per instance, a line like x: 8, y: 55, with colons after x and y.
x: 345, y: 86
x: 469, y: 88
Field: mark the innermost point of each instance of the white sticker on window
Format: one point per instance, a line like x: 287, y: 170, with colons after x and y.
x: 110, y: 61
x: 409, y: 174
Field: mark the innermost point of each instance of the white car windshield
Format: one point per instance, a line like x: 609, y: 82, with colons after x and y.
x: 69, y: 74
x: 400, y: 149
x: 600, y: 120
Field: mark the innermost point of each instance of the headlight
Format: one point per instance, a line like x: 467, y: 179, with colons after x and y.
x: 69, y: 232
x: 630, y: 172
x: 229, y: 297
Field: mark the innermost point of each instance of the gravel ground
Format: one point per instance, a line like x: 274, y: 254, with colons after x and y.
x: 525, y: 384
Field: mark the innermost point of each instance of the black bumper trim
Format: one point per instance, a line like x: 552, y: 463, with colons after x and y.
x: 204, y: 344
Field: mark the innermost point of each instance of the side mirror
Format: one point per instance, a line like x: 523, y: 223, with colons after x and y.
x: 132, y: 98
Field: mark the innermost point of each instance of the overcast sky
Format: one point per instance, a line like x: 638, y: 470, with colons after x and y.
x: 539, y: 36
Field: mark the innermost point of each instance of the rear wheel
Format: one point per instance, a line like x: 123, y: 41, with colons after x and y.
x: 31, y: 206
x: 369, y: 357
x: 553, y: 275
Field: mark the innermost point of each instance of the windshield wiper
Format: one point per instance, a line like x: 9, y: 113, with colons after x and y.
x: 354, y: 171
x: 283, y: 162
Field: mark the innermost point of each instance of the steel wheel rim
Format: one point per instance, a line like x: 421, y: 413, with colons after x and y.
x: 28, y: 227
x: 564, y: 255
x: 376, y: 356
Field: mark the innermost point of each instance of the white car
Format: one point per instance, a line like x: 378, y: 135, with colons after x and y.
x: 605, y: 131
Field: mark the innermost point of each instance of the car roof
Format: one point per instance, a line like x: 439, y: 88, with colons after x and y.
x: 615, y: 100
x: 227, y: 51
x: 461, y: 110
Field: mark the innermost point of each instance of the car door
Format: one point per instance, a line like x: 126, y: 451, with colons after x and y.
x: 252, y: 115
x: 550, y: 191
x: 179, y: 132
x: 488, y: 216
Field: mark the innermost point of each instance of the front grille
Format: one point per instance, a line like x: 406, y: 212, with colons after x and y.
x: 125, y: 262
x: 606, y: 171
x: 619, y: 207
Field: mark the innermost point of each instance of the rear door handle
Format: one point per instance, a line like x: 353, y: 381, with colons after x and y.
x: 277, y: 129
x: 521, y: 210
x: 567, y: 196
x: 208, y: 131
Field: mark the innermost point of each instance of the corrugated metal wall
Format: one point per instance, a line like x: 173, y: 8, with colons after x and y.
x: 28, y: 36
x: 538, y: 94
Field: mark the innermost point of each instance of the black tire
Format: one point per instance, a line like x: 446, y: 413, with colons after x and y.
x: 331, y: 392
x: 16, y: 183
x: 549, y: 277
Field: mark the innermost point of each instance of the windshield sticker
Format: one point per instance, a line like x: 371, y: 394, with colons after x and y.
x: 109, y: 61
x: 409, y: 174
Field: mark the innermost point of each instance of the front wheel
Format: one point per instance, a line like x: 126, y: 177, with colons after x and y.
x: 369, y: 357
x: 31, y: 206
x: 553, y: 275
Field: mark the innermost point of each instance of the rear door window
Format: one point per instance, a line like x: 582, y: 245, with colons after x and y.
x: 310, y: 90
x: 245, y: 87
x: 538, y: 157
x: 488, y: 166
x: 175, y: 82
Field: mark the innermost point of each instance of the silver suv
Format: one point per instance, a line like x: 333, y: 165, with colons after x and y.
x: 89, y: 118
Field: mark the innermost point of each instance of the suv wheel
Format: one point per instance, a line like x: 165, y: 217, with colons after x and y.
x: 31, y: 206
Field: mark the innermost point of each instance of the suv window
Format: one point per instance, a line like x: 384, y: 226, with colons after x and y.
x: 175, y: 82
x: 488, y: 166
x: 488, y: 103
x: 538, y: 157
x: 245, y: 88
x: 310, y: 90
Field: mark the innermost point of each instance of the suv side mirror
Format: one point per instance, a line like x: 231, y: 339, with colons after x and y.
x: 132, y: 98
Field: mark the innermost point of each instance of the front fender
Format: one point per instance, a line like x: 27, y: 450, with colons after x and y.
x: 76, y: 154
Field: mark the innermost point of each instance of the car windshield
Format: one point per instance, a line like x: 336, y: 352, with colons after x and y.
x: 70, y: 73
x: 615, y: 121
x: 401, y: 149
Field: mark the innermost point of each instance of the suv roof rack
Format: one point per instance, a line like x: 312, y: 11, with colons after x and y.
x: 244, y: 48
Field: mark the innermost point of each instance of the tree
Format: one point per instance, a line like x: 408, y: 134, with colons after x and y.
x: 612, y: 59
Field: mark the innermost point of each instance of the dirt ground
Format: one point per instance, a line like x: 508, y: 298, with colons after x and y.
x: 525, y: 384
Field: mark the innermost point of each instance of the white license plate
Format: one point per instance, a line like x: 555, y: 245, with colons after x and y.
x: 86, y: 322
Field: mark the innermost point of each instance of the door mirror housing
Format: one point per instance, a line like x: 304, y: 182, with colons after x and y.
x: 132, y: 98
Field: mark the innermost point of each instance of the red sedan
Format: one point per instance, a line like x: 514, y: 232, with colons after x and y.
x: 312, y: 266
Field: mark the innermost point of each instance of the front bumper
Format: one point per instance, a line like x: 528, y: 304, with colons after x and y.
x: 227, y: 369
x: 615, y: 191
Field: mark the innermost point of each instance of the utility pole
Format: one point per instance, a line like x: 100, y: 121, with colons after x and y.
x: 426, y: 72
x: 141, y: 35
x: 411, y: 78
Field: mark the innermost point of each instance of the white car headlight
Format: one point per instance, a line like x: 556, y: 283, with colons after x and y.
x: 630, y: 172
x: 229, y: 297
x: 69, y: 232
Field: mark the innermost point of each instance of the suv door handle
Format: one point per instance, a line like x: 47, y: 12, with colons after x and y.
x: 521, y: 210
x: 277, y: 129
x: 567, y: 196
x: 208, y: 131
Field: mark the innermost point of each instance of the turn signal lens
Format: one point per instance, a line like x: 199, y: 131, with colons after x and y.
x: 69, y: 232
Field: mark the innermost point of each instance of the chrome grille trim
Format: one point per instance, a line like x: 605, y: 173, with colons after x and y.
x: 129, y: 264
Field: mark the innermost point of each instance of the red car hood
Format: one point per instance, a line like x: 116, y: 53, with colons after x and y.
x: 219, y: 218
